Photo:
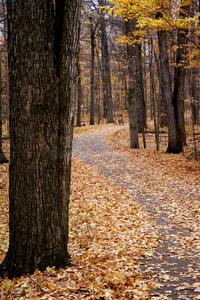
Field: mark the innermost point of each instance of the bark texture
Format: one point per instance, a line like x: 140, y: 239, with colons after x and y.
x: 133, y: 125
x: 3, y: 159
x: 180, y: 74
x: 140, y: 100
x: 174, y: 138
x: 79, y: 90
x: 139, y: 79
x: 106, y: 74
x: 42, y: 45
x: 92, y: 40
x: 179, y: 87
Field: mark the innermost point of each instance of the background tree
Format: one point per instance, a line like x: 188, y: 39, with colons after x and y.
x: 180, y: 28
x: 176, y: 26
x: 79, y: 89
x: 133, y: 124
x: 92, y: 40
x: 180, y: 73
x: 174, y: 138
x: 42, y: 45
x: 106, y: 74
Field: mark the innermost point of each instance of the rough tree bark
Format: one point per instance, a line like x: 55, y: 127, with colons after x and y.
x: 106, y: 74
x: 42, y: 47
x: 139, y: 88
x: 156, y: 117
x: 133, y: 125
x: 179, y: 87
x: 192, y: 76
x: 3, y: 159
x: 180, y: 74
x: 174, y: 139
x: 141, y: 105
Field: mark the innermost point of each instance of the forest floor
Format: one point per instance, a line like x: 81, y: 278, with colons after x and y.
x: 134, y: 223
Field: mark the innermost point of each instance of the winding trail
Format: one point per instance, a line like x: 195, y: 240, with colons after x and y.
x: 176, y: 262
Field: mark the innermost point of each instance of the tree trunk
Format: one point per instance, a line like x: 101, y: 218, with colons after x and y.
x: 145, y: 76
x: 99, y: 73
x: 106, y: 74
x: 92, y: 40
x: 179, y: 87
x: 141, y: 105
x: 193, y: 88
x: 161, y: 104
x: 153, y: 93
x: 79, y: 92
x: 3, y: 159
x: 133, y: 125
x: 5, y: 56
x: 42, y: 47
x: 179, y: 75
x: 139, y: 87
x: 174, y: 139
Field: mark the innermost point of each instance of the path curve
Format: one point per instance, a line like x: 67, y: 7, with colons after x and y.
x: 177, y: 270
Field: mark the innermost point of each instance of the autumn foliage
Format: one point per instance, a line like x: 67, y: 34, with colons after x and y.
x: 110, y: 232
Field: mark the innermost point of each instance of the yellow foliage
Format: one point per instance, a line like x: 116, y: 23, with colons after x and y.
x: 154, y: 15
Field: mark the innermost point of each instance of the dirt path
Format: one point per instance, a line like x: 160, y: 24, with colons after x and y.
x: 176, y: 263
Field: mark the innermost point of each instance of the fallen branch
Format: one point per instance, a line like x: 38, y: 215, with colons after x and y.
x: 153, y: 131
x: 38, y: 285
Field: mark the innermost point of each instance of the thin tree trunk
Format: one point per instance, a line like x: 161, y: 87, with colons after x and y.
x: 161, y: 105
x: 153, y: 92
x: 141, y: 105
x: 43, y: 46
x: 92, y: 40
x: 145, y: 77
x: 99, y: 96
x: 99, y: 74
x: 79, y: 87
x: 191, y: 75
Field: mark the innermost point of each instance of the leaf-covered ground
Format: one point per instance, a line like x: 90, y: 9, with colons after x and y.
x: 113, y: 237
x: 169, y: 188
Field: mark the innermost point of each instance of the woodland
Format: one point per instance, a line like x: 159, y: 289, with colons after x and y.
x: 100, y: 149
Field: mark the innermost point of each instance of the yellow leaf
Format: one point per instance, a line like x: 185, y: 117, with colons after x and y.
x: 52, y: 287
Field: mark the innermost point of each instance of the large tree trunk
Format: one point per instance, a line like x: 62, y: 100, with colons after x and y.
x: 5, y: 55
x: 106, y: 74
x: 133, y: 125
x: 42, y: 45
x: 3, y: 159
x: 174, y: 139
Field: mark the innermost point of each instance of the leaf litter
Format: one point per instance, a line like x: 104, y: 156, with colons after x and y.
x: 169, y: 188
x: 112, y: 236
